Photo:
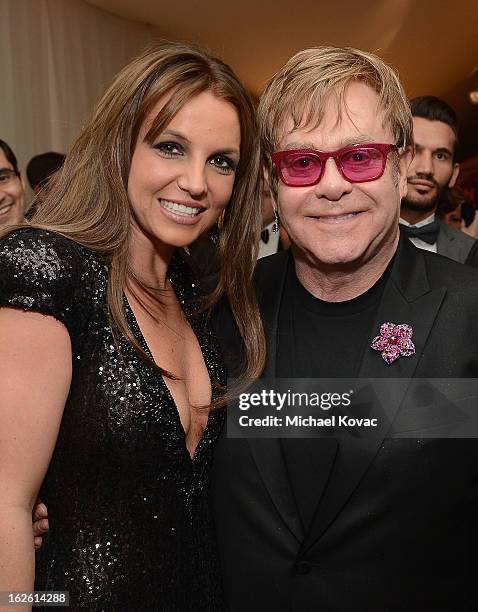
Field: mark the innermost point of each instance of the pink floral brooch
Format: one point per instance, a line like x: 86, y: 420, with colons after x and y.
x: 394, y: 341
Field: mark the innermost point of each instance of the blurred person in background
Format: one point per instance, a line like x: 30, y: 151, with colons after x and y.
x: 12, y: 189
x: 432, y: 171
x: 40, y: 169
x: 455, y: 210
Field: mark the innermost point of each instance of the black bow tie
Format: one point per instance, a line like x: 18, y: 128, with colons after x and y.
x: 427, y: 233
x: 265, y: 236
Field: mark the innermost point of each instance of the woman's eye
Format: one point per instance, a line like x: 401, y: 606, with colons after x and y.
x: 224, y: 164
x: 169, y: 149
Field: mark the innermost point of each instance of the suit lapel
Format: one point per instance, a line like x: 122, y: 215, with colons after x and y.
x: 446, y: 244
x: 453, y: 244
x: 409, y: 299
x: 267, y: 453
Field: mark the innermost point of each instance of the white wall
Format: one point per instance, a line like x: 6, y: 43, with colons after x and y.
x: 56, y: 58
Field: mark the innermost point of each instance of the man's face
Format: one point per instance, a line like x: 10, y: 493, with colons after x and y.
x: 12, y: 195
x: 432, y: 169
x: 337, y: 222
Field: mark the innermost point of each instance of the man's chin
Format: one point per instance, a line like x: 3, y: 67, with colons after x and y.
x: 419, y: 205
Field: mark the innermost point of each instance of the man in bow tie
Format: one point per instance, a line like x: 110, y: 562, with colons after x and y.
x: 432, y: 171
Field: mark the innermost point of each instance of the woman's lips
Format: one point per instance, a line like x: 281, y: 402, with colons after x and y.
x: 181, y: 213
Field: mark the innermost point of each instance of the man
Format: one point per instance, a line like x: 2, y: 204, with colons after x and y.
x: 40, y: 169
x: 12, y: 192
x: 433, y: 170
x: 364, y: 524
x: 369, y: 524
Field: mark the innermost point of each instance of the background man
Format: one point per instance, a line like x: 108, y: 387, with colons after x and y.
x: 365, y: 524
x: 433, y: 170
x: 12, y: 192
x: 40, y: 169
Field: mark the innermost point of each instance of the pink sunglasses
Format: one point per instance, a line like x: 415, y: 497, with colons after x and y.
x: 357, y: 164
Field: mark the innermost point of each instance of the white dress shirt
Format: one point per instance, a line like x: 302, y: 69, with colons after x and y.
x: 421, y: 244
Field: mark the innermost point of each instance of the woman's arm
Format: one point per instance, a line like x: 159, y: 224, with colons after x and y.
x: 35, y: 377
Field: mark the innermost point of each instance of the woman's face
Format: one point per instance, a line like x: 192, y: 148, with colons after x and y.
x: 180, y: 184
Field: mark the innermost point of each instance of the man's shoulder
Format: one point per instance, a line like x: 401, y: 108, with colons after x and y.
x: 453, y: 234
x: 443, y: 271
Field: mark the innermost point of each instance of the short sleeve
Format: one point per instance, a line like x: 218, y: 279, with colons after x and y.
x: 40, y: 271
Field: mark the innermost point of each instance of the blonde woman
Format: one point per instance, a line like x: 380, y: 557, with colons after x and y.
x: 106, y: 357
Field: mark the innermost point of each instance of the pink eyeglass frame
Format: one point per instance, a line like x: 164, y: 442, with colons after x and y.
x: 323, y: 156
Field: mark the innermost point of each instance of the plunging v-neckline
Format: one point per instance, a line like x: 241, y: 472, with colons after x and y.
x: 138, y: 334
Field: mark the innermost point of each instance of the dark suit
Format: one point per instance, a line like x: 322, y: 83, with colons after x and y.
x: 453, y: 243
x: 394, y: 523
x: 472, y: 259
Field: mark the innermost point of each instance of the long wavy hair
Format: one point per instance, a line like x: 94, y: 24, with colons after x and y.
x: 88, y: 201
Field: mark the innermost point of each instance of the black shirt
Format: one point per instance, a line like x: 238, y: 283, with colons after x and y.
x: 319, y: 339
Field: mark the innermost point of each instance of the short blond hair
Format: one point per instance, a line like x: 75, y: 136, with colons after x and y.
x: 300, y: 89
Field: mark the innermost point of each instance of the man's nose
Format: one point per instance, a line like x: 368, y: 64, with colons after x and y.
x: 193, y: 179
x: 422, y: 163
x: 333, y: 185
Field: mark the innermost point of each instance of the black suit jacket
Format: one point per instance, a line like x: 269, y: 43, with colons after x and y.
x: 395, y: 527
x: 454, y: 243
x: 472, y: 259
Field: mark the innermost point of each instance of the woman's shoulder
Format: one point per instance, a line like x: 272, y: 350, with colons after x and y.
x: 31, y: 245
x: 46, y: 254
x: 46, y: 272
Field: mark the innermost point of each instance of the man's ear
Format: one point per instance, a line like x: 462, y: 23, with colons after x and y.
x: 403, y: 164
x: 269, y: 182
x: 454, y: 176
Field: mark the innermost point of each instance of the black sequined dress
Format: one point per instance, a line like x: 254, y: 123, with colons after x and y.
x: 130, y: 523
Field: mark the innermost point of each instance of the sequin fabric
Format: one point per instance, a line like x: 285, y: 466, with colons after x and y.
x: 130, y: 522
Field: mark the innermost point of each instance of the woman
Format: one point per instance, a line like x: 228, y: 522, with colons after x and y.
x: 106, y: 356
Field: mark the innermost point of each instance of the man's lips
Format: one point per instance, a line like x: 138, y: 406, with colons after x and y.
x: 423, y: 183
x: 339, y: 218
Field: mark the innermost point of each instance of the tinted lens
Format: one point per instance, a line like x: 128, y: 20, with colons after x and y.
x: 300, y: 168
x: 362, y: 164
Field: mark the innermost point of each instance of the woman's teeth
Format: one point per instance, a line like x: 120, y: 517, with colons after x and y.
x: 180, y: 209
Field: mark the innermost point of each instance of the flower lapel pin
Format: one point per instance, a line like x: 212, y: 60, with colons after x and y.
x: 394, y: 341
